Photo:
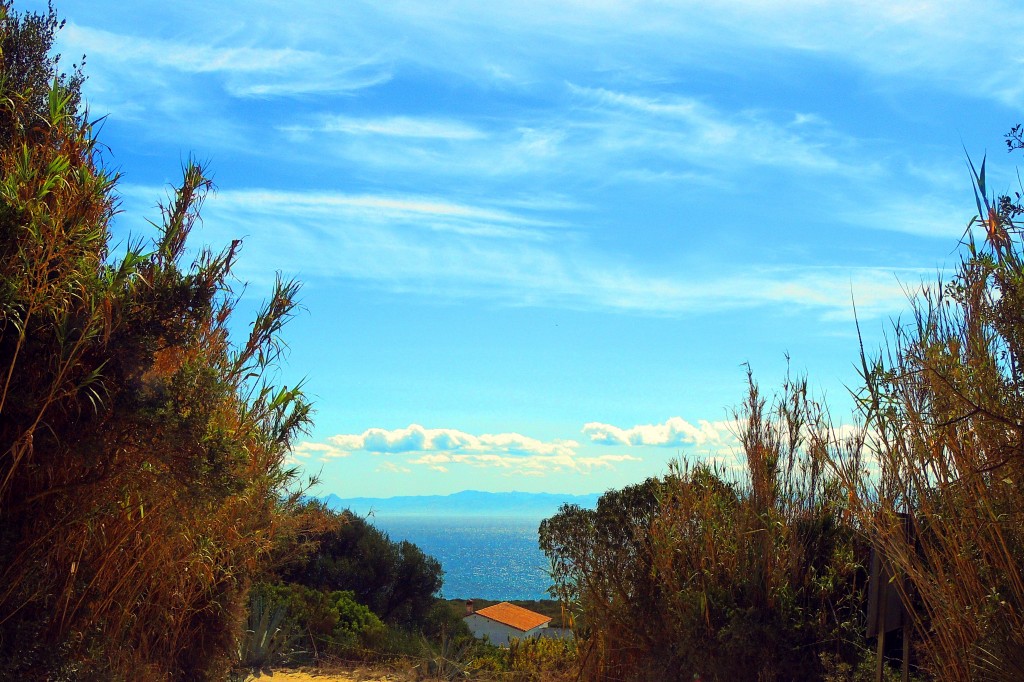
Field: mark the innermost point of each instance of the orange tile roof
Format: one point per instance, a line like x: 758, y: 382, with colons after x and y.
x: 514, y: 616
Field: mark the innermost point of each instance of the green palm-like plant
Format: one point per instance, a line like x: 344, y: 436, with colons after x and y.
x: 269, y: 640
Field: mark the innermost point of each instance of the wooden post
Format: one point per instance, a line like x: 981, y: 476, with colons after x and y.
x: 880, y: 663
x: 884, y: 616
x: 908, y: 619
x: 907, y: 630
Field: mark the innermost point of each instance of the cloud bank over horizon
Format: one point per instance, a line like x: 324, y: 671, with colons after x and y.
x: 513, y: 454
x: 673, y: 432
x: 440, y: 450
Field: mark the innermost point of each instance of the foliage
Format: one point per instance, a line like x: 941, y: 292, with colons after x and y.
x: 945, y: 407
x: 29, y: 72
x: 141, y: 451
x: 697, y: 573
x: 328, y: 624
x: 268, y: 640
x: 540, y: 659
x: 444, y: 621
x: 345, y: 557
x: 527, y: 660
x: 700, y: 572
x: 395, y: 579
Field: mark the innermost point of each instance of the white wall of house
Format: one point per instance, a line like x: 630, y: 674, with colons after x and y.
x: 498, y: 633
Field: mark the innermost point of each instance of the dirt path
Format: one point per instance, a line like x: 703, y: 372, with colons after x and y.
x: 356, y: 675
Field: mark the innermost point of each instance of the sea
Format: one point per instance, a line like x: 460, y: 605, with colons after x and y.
x: 495, y: 558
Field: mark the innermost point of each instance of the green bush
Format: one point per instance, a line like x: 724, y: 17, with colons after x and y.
x: 328, y: 624
x: 395, y: 579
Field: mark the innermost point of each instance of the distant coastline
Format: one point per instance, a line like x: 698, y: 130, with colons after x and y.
x: 462, y: 504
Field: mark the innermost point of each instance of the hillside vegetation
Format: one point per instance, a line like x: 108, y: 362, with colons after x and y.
x: 142, y: 477
x: 761, y: 573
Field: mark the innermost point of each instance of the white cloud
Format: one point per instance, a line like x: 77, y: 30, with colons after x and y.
x: 416, y: 438
x: 674, y: 432
x: 323, y: 451
x: 442, y: 450
x: 524, y: 465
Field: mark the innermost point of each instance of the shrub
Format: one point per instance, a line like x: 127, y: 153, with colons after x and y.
x: 541, y: 659
x: 702, y: 573
x: 395, y: 579
x: 329, y: 624
x: 268, y: 639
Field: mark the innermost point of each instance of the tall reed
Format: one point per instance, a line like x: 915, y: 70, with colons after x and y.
x: 142, y: 475
x: 944, y: 404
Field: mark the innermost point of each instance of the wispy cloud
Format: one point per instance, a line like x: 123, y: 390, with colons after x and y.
x: 428, y: 246
x: 677, y: 128
x: 325, y: 203
x: 920, y: 216
x: 392, y: 468
x: 248, y: 71
x: 528, y: 44
x: 595, y: 133
x: 926, y: 42
x: 393, y: 126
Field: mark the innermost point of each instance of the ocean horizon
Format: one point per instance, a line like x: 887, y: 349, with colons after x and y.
x: 495, y: 558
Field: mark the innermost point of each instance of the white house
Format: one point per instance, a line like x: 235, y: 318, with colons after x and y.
x: 504, y: 622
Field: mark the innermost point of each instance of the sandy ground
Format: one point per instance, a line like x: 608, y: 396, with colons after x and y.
x: 355, y: 675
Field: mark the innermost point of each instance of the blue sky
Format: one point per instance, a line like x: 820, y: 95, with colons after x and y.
x: 538, y: 240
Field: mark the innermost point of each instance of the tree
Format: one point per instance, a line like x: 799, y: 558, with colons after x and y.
x: 395, y: 579
x: 141, y: 452
x: 29, y: 72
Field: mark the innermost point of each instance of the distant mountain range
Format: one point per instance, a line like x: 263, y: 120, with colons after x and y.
x: 466, y: 503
